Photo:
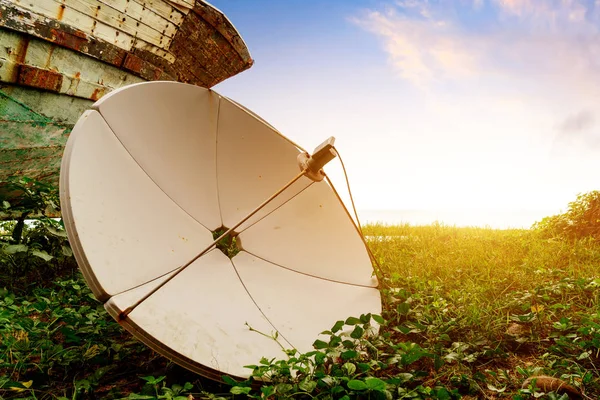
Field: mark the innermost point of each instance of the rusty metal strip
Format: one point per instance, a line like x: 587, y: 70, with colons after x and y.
x: 39, y: 78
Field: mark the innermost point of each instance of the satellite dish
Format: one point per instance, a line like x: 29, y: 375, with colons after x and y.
x: 154, y: 173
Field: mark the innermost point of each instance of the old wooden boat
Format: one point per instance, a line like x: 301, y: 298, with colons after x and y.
x: 59, y: 56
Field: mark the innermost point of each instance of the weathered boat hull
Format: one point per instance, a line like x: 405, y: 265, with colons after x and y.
x: 59, y: 56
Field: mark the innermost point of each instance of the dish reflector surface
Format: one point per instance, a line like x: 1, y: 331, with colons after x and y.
x: 151, y: 173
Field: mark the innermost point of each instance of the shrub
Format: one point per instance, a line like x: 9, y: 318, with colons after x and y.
x: 581, y: 220
x: 32, y: 251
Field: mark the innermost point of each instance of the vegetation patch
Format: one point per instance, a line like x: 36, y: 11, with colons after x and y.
x: 468, y: 313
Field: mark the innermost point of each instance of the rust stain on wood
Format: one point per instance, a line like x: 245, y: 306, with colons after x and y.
x: 21, y: 50
x: 141, y: 67
x: 39, y: 78
x: 60, y: 33
x: 49, y: 58
x: 99, y: 92
x: 207, y: 48
x: 61, y: 12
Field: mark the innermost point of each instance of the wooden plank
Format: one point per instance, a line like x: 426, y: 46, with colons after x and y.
x: 40, y: 164
x: 123, y: 21
x: 16, y: 111
x: 21, y: 103
x: 189, y: 4
x: 40, y: 78
x: 164, y: 54
x: 77, y: 66
x: 195, y: 30
x: 80, y: 75
x: 221, y: 23
x: 11, y: 47
x: 106, y: 23
x: 31, y: 144
x: 141, y: 67
x: 78, y: 20
x: 191, y: 69
x: 146, y: 15
x: 207, y: 56
x: 16, y: 135
x: 165, y: 9
x: 25, y: 21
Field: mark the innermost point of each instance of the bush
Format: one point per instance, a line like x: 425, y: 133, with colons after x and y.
x: 32, y: 251
x: 580, y: 221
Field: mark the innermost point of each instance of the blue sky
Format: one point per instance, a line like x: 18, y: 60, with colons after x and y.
x: 486, y: 105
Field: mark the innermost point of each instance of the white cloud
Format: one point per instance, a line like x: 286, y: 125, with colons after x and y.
x: 555, y: 42
x: 423, y: 49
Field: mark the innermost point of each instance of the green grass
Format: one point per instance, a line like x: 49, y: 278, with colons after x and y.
x: 465, y: 288
x: 469, y: 313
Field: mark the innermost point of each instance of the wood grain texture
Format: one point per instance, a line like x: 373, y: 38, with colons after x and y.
x: 152, y: 40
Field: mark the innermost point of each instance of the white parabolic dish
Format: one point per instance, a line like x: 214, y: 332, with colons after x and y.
x: 150, y: 173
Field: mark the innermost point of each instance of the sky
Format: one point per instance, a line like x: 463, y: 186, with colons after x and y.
x: 479, y: 109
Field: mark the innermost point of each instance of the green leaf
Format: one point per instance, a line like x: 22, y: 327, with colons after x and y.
x: 15, y: 248
x: 319, y: 344
x: 378, y: 318
x: 139, y: 396
x: 228, y: 380
x: 5, y: 204
x: 347, y: 355
x: 375, y: 384
x: 307, y: 385
x: 403, y: 308
x: 265, y: 361
x: 355, y: 384
x: 349, y: 368
x: 267, y: 391
x: 329, y: 381
x: 320, y: 358
x: 334, y: 341
x: 153, y: 380
x: 357, y: 332
x: 338, y: 326
x: 42, y: 254
x: 66, y: 250
x: 495, y: 389
x: 240, y: 390
x: 337, y: 389
x: 56, y: 232
x: 364, y: 367
x: 443, y: 394
x: 365, y: 318
x: 404, y: 377
x: 415, y: 354
x: 283, y: 388
x: 352, y: 321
